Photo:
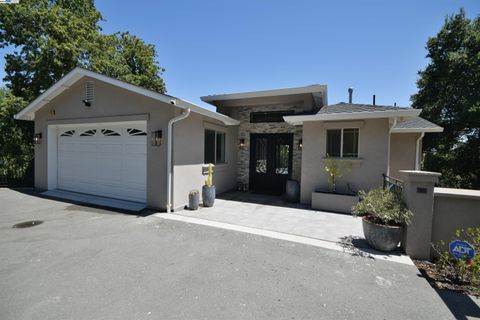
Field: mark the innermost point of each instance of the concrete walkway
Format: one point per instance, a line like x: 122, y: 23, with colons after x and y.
x: 274, y: 214
x: 271, y: 216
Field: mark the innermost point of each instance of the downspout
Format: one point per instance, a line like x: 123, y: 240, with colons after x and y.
x: 417, y: 151
x: 184, y: 115
x: 389, y: 142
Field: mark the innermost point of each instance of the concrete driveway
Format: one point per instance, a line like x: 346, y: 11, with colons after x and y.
x: 87, y: 263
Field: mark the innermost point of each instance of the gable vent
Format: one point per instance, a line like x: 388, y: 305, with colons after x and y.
x: 89, y: 91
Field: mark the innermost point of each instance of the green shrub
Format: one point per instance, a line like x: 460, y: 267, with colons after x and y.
x: 462, y: 271
x: 383, y: 207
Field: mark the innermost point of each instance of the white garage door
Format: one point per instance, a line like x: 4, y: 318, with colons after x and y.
x: 103, y: 160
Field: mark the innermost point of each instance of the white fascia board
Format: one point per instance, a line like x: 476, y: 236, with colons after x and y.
x: 212, y: 114
x: 298, y: 120
x: 265, y: 93
x: 28, y: 113
x: 416, y: 130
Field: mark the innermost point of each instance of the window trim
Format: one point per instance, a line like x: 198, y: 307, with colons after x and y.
x: 281, y: 113
x: 341, y: 142
x: 215, y: 146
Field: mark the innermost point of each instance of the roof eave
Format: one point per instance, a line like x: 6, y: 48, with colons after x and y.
x: 298, y: 120
x: 264, y: 93
x: 28, y: 113
x: 417, y: 130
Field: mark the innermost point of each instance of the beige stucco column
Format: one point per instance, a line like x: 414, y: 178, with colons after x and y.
x: 418, y: 195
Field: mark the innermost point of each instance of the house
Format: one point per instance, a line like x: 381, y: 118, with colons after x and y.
x: 105, y: 137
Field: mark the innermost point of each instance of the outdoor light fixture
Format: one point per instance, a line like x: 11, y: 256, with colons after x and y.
x: 300, y: 144
x: 37, y: 138
x: 87, y: 103
x: 241, y: 143
x: 157, y: 138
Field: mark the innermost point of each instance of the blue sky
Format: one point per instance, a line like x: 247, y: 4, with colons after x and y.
x: 209, y: 47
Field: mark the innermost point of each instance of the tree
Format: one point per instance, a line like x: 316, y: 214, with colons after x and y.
x: 126, y: 57
x: 51, y: 36
x: 449, y: 95
x: 16, y: 150
x: 54, y: 36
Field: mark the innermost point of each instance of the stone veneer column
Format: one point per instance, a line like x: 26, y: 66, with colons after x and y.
x: 418, y: 195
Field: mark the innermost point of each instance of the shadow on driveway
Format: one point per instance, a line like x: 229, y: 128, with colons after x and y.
x: 461, y: 305
x: 82, y: 206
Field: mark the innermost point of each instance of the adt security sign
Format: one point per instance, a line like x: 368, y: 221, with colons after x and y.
x: 461, y: 249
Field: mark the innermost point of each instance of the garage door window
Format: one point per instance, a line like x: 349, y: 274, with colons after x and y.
x: 136, y: 132
x: 110, y: 133
x: 68, y: 133
x: 88, y: 133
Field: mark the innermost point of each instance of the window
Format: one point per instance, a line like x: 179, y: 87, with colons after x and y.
x: 214, y: 150
x: 109, y: 133
x: 271, y: 116
x: 89, y: 133
x: 68, y: 133
x: 136, y: 132
x: 342, y: 143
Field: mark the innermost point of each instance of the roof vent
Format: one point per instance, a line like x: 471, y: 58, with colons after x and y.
x: 89, y: 93
x: 350, y: 94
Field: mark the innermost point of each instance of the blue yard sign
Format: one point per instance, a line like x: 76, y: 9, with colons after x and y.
x: 461, y: 249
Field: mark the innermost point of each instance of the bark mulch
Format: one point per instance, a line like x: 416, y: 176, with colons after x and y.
x: 439, y: 280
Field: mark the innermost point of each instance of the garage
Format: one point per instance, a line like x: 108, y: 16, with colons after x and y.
x: 108, y: 160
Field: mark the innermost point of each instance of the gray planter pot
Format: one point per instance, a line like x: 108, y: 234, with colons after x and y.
x: 208, y: 196
x: 381, y: 237
x: 193, y: 200
x: 292, y: 191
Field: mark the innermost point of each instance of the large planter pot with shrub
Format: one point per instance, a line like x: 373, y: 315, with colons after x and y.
x: 384, y: 216
x: 381, y: 237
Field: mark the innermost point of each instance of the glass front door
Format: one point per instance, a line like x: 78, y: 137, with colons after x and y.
x: 270, y: 162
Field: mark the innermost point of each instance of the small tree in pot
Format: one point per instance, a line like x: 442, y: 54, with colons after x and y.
x: 208, y: 190
x: 383, y: 216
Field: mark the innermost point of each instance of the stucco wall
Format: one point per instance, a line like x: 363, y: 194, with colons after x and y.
x: 454, y: 209
x: 112, y: 103
x: 366, y: 171
x: 402, y: 152
x: 189, y: 158
x: 246, y: 128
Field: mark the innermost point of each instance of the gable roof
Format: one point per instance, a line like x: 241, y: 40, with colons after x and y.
x: 28, y: 113
x: 351, y: 111
x: 416, y: 124
x: 343, y: 107
x: 315, y: 88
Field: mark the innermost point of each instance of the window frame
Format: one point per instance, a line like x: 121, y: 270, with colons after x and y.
x: 341, y: 142
x: 217, y: 132
x: 261, y: 116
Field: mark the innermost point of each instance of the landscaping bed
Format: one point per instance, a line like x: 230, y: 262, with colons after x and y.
x: 440, y: 279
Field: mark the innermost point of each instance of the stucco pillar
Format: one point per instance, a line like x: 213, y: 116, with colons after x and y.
x: 418, y: 195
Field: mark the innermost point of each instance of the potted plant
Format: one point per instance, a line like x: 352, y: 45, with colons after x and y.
x: 193, y: 199
x: 332, y: 199
x: 208, y: 190
x: 384, y: 215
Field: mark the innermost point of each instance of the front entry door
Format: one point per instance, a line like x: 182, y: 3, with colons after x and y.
x: 270, y: 162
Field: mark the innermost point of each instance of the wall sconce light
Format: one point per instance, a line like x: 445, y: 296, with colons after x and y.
x: 37, y: 138
x: 241, y: 143
x: 300, y: 144
x: 157, y: 138
x: 87, y: 103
